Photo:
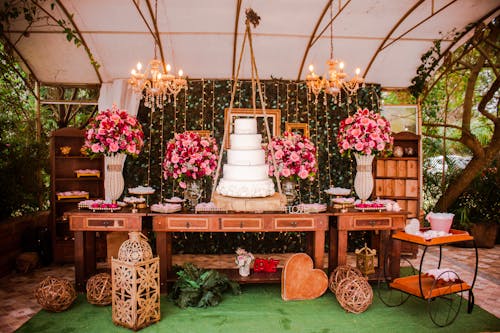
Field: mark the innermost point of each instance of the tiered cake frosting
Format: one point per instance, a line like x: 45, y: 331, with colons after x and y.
x: 246, y: 173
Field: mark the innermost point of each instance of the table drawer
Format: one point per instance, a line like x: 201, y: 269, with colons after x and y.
x: 92, y: 223
x: 376, y: 223
x: 291, y: 223
x: 241, y: 223
x: 192, y: 223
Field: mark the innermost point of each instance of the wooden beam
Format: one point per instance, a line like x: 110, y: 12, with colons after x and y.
x: 401, y: 20
x: 313, y: 38
x: 82, y: 40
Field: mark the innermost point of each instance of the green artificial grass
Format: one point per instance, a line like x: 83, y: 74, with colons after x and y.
x: 260, y: 309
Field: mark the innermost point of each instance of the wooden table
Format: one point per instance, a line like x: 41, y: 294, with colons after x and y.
x: 356, y: 220
x: 84, y: 224
x: 164, y: 224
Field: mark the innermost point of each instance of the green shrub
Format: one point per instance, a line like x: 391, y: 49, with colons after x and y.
x: 24, y: 178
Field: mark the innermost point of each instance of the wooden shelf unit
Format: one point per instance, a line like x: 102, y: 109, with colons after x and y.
x: 400, y: 178
x: 63, y: 178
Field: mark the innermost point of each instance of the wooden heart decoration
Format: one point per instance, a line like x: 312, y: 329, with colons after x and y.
x: 299, y: 280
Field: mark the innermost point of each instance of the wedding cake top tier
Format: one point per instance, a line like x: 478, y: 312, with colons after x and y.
x: 245, y: 126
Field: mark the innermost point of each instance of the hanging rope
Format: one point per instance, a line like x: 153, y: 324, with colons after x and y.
x: 252, y: 18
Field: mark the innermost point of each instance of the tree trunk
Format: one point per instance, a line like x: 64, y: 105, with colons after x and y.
x: 476, y: 165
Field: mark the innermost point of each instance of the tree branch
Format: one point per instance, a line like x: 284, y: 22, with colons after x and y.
x: 486, y: 98
x: 442, y: 137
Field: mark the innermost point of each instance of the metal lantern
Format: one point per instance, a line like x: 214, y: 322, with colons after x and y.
x: 136, y: 284
x: 365, y: 258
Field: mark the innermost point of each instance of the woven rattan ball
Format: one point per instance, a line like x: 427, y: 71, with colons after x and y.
x: 55, y: 294
x: 354, y: 294
x: 340, y: 273
x: 99, y: 289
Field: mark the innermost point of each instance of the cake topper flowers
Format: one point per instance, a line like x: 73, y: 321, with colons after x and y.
x: 190, y: 157
x: 365, y: 133
x: 295, y: 156
x: 112, y: 132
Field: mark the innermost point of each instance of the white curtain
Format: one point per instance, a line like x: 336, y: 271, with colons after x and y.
x: 119, y: 93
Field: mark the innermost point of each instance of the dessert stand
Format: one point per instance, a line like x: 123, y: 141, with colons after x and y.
x: 142, y: 192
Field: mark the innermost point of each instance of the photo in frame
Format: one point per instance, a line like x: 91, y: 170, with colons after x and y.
x: 300, y: 128
x: 273, y: 119
x: 403, y: 118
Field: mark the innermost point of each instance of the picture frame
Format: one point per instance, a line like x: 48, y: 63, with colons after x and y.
x: 301, y: 128
x: 273, y: 117
x: 403, y: 117
x: 202, y: 133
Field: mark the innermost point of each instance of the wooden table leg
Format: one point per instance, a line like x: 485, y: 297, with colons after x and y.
x: 342, y: 248
x: 332, y: 249
x: 310, y: 245
x: 162, y: 252
x: 79, y: 260
x: 396, y: 255
x: 319, y: 248
x: 90, y: 255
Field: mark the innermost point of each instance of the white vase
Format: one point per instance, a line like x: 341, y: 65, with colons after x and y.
x: 113, y: 176
x: 363, y: 182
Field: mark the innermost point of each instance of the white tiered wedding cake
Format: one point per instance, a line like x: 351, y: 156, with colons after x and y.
x: 246, y: 173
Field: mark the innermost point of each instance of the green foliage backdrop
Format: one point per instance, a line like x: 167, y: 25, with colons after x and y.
x: 202, y: 106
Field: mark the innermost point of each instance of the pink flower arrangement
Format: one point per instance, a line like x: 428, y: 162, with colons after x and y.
x: 295, y: 156
x: 365, y: 133
x: 111, y: 132
x: 190, y: 156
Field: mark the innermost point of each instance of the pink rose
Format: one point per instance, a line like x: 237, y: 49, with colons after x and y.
x: 182, y: 185
x: 294, y: 157
x: 303, y: 174
x: 96, y: 148
x: 279, y: 154
x: 359, y: 146
x: 285, y: 172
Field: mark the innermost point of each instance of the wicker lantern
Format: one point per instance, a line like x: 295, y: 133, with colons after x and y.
x: 136, y: 284
x: 365, y: 258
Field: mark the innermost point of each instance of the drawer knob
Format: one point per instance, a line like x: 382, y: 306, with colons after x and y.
x: 188, y: 225
x: 372, y: 223
x: 241, y: 224
x: 294, y: 223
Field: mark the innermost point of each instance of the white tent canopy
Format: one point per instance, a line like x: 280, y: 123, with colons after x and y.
x: 385, y: 38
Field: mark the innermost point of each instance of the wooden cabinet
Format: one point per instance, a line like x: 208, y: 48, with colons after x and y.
x: 64, y: 179
x: 399, y: 178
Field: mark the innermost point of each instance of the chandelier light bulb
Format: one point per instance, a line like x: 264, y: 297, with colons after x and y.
x: 358, y: 70
x: 139, y: 66
x: 311, y: 68
x: 341, y: 66
x: 168, y: 68
x: 181, y: 72
x: 133, y: 72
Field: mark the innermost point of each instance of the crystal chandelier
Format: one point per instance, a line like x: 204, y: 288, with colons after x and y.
x: 335, y: 81
x: 160, y: 85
